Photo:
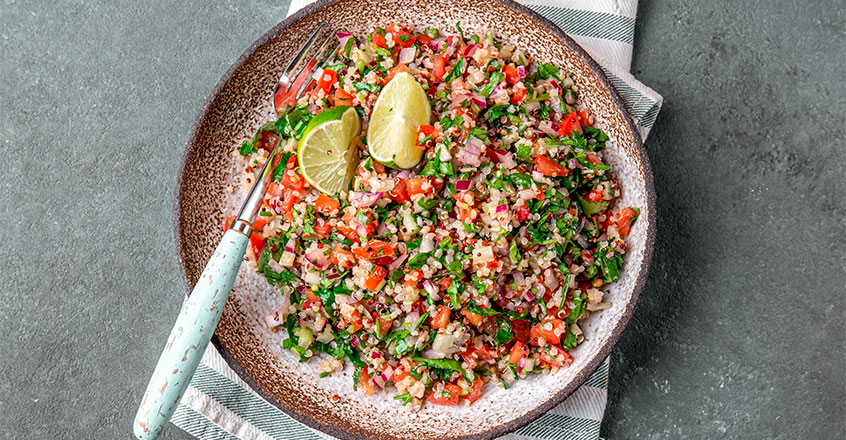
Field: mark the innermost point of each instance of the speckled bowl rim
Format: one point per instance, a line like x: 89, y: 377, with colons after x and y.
x: 582, y: 375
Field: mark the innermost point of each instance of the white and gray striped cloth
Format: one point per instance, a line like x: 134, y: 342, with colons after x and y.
x: 219, y: 405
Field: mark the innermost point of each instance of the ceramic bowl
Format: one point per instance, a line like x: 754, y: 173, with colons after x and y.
x: 241, y: 102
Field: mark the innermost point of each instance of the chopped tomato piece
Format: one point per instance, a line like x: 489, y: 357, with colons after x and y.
x: 511, y: 74
x: 342, y: 257
x: 379, y: 40
x: 441, y: 318
x: 353, y: 323
x: 520, y: 327
x: 445, y: 282
x: 326, y: 205
x: 399, y: 194
x: 227, y: 222
x: 424, y: 131
x: 624, y: 220
x: 348, y: 232
x: 257, y: 242
x: 569, y: 124
x: 375, y: 278
x: 418, y: 185
x: 552, y: 334
x: 594, y: 159
x: 400, y: 35
x: 397, y: 69
x: 549, y: 167
x: 594, y: 196
x: 322, y: 228
x: 474, y: 318
x: 374, y: 249
x: 476, y: 391
x: 327, y: 79
x: 439, y: 68
x: 518, y: 351
x: 584, y: 118
x: 412, y: 278
x: 365, y: 382
x: 424, y: 39
x: 290, y: 178
x: 519, y: 94
x: 448, y: 396
x: 342, y: 97
x: 522, y: 212
x: 399, y: 374
x: 266, y: 141
x: 290, y: 199
x: 311, y: 298
x: 384, y: 324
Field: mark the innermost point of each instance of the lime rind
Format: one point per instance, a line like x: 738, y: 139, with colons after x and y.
x: 401, y: 108
x: 326, y: 153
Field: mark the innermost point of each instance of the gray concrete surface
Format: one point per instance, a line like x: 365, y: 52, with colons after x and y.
x: 740, y: 333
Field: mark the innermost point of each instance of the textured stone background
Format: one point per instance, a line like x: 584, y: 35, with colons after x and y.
x: 740, y: 332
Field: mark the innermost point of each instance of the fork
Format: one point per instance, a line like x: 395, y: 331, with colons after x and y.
x: 201, y: 311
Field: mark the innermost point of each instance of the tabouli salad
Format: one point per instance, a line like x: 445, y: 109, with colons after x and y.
x: 461, y: 227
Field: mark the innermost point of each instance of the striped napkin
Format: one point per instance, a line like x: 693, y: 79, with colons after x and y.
x: 219, y: 405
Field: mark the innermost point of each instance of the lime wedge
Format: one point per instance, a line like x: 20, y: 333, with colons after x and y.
x: 400, y: 109
x: 327, y: 155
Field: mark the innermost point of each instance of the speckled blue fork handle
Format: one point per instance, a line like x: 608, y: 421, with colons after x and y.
x: 190, y: 336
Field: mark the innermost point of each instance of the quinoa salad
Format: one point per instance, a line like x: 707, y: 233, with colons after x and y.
x: 473, y: 268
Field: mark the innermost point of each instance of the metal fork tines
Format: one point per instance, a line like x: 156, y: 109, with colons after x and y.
x: 284, y: 98
x: 287, y: 91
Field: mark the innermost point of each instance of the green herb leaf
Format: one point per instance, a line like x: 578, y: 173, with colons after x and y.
x: 472, y: 307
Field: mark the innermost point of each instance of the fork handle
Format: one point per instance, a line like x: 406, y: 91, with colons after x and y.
x: 190, y: 336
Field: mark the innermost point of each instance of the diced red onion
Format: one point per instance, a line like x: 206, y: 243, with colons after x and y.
x: 360, y: 229
x: 397, y: 262
x: 546, y: 127
x: 383, y: 229
x: 274, y: 319
x: 471, y: 152
x: 342, y: 34
x: 458, y: 99
x: 526, y: 194
x: 549, y: 279
x: 432, y: 354
x: 518, y: 277
x: 375, y: 354
x: 388, y: 373
x: 586, y: 255
x: 354, y: 341
x: 316, y: 256
x: 555, y: 103
x: 537, y: 176
x: 501, y: 208
x: 521, y: 72
x: 365, y: 198
x: 344, y: 299
x: 529, y: 295
x: 427, y: 245
x: 479, y: 100
x: 462, y: 185
x: 429, y: 287
x: 497, y: 92
x: 507, y: 159
x: 406, y: 55
x: 403, y: 174
x: 436, y: 43
x: 275, y: 265
x: 379, y: 381
x: 555, y: 84
x: 332, y: 275
x: 573, y: 164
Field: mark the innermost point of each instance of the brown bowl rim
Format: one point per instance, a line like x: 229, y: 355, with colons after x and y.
x: 581, y: 376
